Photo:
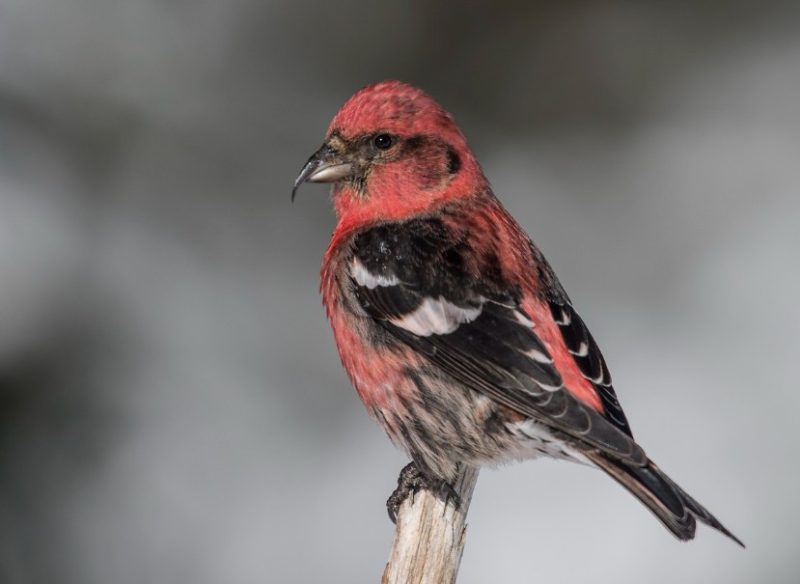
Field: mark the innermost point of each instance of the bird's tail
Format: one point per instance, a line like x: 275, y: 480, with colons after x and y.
x: 671, y: 504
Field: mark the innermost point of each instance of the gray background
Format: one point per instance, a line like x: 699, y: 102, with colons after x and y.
x: 172, y: 408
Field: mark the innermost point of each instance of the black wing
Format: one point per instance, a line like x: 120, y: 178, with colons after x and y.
x: 413, y: 279
x: 587, y: 355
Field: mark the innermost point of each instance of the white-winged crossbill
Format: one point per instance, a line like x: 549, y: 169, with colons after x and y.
x: 452, y: 326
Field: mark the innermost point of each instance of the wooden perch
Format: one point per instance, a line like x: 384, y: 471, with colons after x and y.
x: 430, y: 535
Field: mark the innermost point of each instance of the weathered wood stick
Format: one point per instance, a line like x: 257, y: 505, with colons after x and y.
x: 430, y: 535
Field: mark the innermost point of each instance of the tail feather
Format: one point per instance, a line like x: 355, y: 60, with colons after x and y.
x: 671, y: 505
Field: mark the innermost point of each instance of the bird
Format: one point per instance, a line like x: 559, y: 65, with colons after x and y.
x: 450, y: 323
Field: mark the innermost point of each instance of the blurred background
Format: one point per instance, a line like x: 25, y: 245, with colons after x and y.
x: 172, y: 408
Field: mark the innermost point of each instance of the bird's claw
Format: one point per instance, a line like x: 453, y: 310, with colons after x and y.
x: 411, y: 481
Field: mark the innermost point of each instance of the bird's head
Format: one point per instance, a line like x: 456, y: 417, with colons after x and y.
x: 393, y: 152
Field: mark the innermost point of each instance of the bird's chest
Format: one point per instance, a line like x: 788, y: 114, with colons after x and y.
x: 373, y: 360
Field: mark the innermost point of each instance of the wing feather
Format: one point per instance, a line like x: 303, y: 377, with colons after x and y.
x: 479, y: 334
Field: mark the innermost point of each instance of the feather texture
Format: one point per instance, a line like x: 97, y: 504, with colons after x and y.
x: 451, y: 324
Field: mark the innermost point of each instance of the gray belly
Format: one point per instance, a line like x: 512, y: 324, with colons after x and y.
x: 443, y: 424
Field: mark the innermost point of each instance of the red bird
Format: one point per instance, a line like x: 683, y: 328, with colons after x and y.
x: 452, y: 326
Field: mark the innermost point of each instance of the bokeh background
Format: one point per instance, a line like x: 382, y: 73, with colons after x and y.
x: 172, y: 408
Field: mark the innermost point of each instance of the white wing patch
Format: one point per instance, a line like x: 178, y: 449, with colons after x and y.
x: 582, y: 351
x: 523, y: 320
x: 369, y: 280
x: 565, y: 319
x: 595, y: 380
x: 436, y: 316
x: 538, y: 356
x: 548, y: 387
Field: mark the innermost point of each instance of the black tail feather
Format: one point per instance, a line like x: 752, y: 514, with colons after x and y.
x: 671, y: 505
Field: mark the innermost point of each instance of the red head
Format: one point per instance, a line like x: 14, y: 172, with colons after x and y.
x: 393, y: 152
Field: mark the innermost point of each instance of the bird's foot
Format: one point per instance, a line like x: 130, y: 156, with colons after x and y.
x: 411, y: 481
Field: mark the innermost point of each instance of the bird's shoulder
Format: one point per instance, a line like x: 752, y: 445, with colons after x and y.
x: 459, y: 246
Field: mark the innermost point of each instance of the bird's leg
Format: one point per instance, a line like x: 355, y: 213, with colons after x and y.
x: 411, y: 481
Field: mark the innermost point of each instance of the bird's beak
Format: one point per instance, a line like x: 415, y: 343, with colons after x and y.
x: 325, y: 166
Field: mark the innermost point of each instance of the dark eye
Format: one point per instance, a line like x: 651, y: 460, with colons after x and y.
x: 383, y: 141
